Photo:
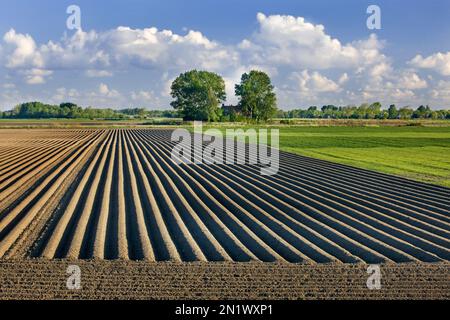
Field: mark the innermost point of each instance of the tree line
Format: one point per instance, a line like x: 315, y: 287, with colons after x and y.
x: 365, y: 111
x: 67, y: 110
x: 200, y: 95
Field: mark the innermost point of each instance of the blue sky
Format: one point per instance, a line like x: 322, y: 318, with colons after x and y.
x: 407, y: 62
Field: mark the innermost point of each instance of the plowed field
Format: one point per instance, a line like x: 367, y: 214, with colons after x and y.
x: 116, y: 195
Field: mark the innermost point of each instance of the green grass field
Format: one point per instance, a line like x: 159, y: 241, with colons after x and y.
x: 418, y: 153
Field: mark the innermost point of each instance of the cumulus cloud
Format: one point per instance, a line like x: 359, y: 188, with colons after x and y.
x: 146, y: 98
x: 21, y: 50
x: 402, y: 95
x: 36, y: 76
x: 288, y: 40
x: 304, y: 61
x: 314, y: 82
x: 441, y: 93
x: 63, y: 94
x: 412, y: 81
x: 99, y: 54
x: 21, y: 54
x: 105, y: 91
x: 141, y: 95
x: 439, y: 62
x: 121, y: 47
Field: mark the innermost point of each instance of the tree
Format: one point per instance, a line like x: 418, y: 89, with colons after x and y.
x: 361, y: 112
x: 422, y: 112
x: 405, y: 113
x: 70, y: 110
x: 348, y: 112
x: 330, y: 111
x: 392, y: 111
x: 374, y: 110
x: 198, y: 95
x: 256, y: 97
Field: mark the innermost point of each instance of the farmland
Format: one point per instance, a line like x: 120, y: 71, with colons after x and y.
x: 40, y: 279
x: 115, y: 195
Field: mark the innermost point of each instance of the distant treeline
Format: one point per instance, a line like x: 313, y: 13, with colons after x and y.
x: 365, y: 111
x: 39, y: 110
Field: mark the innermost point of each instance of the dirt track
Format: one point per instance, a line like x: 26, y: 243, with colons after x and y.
x: 115, y: 194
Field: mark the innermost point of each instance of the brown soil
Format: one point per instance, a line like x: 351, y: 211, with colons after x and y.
x: 116, y: 196
x: 42, y: 279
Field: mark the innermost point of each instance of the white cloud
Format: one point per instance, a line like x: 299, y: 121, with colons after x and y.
x: 380, y: 70
x: 314, y: 82
x: 142, y: 95
x: 291, y: 41
x: 21, y: 50
x: 441, y: 93
x: 410, y: 80
x: 65, y: 95
x: 104, y: 90
x: 306, y: 64
x: 99, y: 54
x: 307, y: 88
x: 146, y: 98
x: 439, y: 62
x: 343, y: 78
x: 92, y: 73
x: 36, y: 76
x: 143, y: 48
x: 402, y: 95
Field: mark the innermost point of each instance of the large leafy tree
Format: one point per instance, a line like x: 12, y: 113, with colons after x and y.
x: 256, y: 97
x: 393, y: 112
x: 198, y: 95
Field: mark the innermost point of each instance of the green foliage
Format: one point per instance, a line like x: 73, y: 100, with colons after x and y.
x: 256, y: 97
x: 231, y: 114
x: 67, y: 110
x: 392, y: 112
x: 405, y: 113
x: 39, y: 110
x: 135, y: 112
x: 141, y: 113
x: 198, y: 95
x: 365, y: 111
x: 422, y: 112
